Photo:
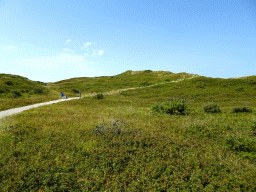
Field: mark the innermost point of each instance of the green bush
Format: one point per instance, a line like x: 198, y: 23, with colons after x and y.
x: 75, y: 90
x: 2, y: 90
x: 170, y: 107
x: 167, y: 80
x: 8, y: 82
x: 16, y: 94
x: 99, y: 96
x: 211, y: 108
x: 241, y: 109
x: 155, y: 108
x: 241, y: 144
x: 115, y: 129
x: 38, y: 90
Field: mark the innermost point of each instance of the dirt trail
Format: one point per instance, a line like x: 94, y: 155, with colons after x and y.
x: 20, y: 109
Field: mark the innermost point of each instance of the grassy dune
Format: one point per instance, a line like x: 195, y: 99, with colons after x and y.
x: 17, y: 91
x: 120, y: 143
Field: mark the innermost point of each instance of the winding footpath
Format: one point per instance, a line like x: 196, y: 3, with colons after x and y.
x: 20, y: 109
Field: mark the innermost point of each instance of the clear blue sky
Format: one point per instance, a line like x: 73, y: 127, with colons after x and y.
x: 52, y: 40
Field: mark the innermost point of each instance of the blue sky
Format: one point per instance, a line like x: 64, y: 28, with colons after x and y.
x: 52, y: 40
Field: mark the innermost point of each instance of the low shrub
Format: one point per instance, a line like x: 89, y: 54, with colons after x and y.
x: 170, y: 107
x: 211, y: 108
x: 16, y: 94
x: 167, y: 80
x: 115, y: 129
x: 241, y: 144
x: 38, y: 90
x: 75, y: 90
x: 8, y: 82
x: 99, y: 96
x: 2, y: 90
x: 241, y: 109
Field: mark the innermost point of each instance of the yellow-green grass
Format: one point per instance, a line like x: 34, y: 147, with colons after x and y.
x: 54, y: 148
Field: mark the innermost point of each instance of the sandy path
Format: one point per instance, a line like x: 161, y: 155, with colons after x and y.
x: 20, y: 109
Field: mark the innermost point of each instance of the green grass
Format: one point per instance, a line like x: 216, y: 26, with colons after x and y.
x: 118, y: 143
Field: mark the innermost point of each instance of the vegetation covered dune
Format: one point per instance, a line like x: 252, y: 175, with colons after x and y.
x: 198, y: 134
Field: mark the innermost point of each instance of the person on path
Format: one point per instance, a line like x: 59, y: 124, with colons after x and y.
x: 62, y: 94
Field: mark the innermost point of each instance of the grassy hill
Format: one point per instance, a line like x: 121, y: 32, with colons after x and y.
x: 198, y: 134
x: 17, y: 91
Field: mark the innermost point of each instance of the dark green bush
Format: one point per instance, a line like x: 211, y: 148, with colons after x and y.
x: 2, y: 90
x: 170, y: 107
x: 8, y: 82
x: 252, y: 82
x: 104, y: 131
x: 241, y: 144
x: 241, y: 109
x: 75, y: 90
x: 211, y: 108
x: 16, y: 94
x: 167, y: 80
x: 99, y: 96
x: 38, y: 90
x: 155, y: 108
